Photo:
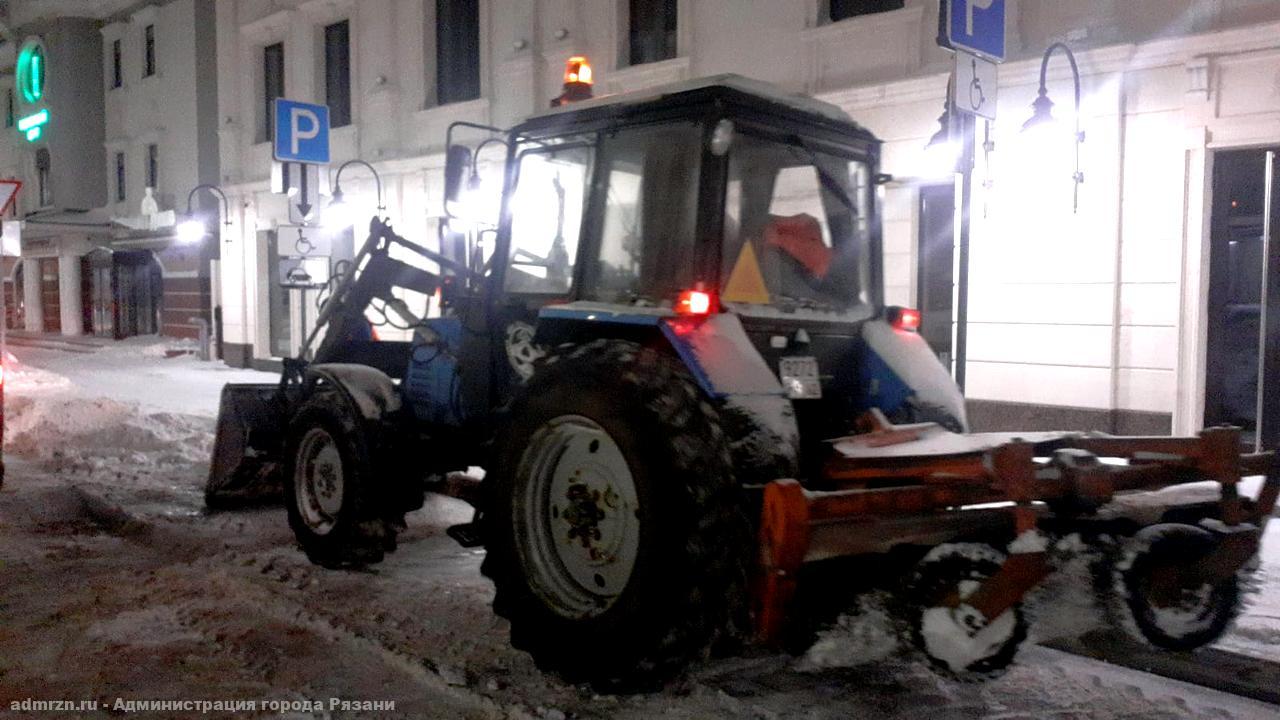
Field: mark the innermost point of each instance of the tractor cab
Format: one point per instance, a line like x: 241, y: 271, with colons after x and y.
x: 717, y: 197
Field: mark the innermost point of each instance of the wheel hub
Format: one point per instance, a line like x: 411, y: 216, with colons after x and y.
x: 318, y: 481
x: 579, y: 529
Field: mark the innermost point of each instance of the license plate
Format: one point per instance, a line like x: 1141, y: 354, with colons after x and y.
x: 800, y: 377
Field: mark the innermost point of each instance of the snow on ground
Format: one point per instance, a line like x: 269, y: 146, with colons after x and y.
x: 126, y: 412
x: 224, y: 603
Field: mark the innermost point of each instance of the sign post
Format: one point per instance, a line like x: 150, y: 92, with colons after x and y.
x: 302, y: 136
x: 974, y: 30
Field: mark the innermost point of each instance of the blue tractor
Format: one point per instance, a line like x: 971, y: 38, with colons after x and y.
x: 680, y: 302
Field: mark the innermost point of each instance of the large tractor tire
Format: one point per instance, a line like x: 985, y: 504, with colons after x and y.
x: 335, y: 509
x: 1173, y: 618
x: 617, y: 539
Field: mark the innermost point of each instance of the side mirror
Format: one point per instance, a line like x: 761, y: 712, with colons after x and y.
x: 457, y: 165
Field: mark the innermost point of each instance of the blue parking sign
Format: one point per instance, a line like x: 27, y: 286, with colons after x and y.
x: 302, y: 132
x: 977, y: 26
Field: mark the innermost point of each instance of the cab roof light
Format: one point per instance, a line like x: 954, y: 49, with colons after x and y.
x: 578, y: 80
x: 901, y: 318
x: 578, y: 70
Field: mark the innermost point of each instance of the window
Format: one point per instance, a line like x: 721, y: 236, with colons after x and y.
x: 153, y: 166
x: 272, y: 86
x: 337, y: 73
x: 149, y: 51
x: 8, y: 107
x: 43, y: 179
x: 546, y: 218
x: 117, y: 72
x: 647, y: 236
x: 844, y: 9
x: 121, y: 190
x: 796, y: 227
x: 457, y: 51
x: 651, y: 30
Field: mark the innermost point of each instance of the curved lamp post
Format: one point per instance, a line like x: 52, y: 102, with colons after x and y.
x: 191, y: 230
x: 1042, y: 111
x: 338, y: 213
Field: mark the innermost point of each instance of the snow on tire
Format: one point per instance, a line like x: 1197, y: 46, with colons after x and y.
x: 958, y: 642
x: 1188, y: 617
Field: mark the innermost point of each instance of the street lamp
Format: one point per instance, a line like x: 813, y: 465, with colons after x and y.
x: 339, y: 214
x: 192, y: 230
x: 943, y: 151
x: 1042, y: 112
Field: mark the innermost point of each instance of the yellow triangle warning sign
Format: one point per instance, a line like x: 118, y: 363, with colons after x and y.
x: 746, y: 284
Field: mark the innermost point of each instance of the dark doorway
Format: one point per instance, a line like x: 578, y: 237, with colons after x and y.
x: 138, y: 291
x: 935, y: 278
x: 50, y: 303
x: 1237, y: 253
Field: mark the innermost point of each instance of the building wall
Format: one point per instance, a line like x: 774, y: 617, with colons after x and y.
x: 1089, y: 318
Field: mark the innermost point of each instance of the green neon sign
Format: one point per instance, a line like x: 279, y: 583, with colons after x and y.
x: 33, y: 125
x: 33, y: 121
x: 31, y: 71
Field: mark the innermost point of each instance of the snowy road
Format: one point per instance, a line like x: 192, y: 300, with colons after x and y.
x: 114, y: 584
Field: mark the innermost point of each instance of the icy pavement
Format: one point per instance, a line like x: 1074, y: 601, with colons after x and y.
x: 114, y: 584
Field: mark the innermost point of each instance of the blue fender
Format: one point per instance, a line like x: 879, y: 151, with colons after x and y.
x: 716, y: 351
x: 899, y: 368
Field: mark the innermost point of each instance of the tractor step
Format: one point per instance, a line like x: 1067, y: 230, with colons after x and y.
x: 467, y: 535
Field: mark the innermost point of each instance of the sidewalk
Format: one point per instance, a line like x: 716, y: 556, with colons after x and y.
x: 55, y: 341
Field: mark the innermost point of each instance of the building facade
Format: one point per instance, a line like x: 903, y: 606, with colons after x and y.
x: 1107, y: 315
x: 126, y: 128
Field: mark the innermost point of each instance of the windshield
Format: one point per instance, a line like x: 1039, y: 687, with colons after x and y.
x: 796, y: 228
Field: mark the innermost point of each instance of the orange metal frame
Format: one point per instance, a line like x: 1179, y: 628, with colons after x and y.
x: 928, y: 500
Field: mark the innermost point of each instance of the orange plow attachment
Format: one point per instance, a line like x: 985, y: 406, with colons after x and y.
x: 922, y: 486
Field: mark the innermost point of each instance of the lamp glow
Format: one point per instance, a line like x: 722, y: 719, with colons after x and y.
x: 338, y: 214
x: 191, y: 231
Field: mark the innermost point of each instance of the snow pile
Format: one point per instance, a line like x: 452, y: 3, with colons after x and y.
x: 129, y: 409
x: 64, y: 426
x: 865, y: 635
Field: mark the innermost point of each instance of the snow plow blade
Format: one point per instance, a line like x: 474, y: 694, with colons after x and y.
x: 925, y: 486
x: 247, y: 450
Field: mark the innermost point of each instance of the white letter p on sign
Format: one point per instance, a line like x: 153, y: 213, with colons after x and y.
x: 968, y: 13
x: 296, y: 133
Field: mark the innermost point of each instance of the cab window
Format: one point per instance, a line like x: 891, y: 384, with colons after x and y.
x: 650, y: 200
x: 546, y: 218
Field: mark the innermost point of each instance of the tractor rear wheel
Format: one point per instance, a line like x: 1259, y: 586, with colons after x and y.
x: 617, y: 538
x: 1171, y: 616
x: 329, y: 489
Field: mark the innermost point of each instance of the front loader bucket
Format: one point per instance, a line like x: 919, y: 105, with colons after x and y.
x: 248, y: 447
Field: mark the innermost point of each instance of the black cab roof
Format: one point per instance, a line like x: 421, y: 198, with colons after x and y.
x: 738, y: 94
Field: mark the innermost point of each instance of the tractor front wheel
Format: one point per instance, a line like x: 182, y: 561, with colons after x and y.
x: 617, y: 539
x: 329, y: 491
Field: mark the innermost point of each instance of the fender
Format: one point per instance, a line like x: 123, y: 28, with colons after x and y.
x: 370, y: 391
x: 899, y: 368
x: 715, y: 350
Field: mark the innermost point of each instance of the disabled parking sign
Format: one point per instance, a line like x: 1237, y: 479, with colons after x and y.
x: 301, y: 132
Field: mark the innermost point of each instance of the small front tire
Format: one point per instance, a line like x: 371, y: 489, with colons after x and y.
x: 329, y: 491
x: 957, y: 642
x: 1174, y: 618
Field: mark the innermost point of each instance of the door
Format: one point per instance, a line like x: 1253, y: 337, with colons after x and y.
x: 935, y: 278
x: 49, y: 300
x: 1242, y: 380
